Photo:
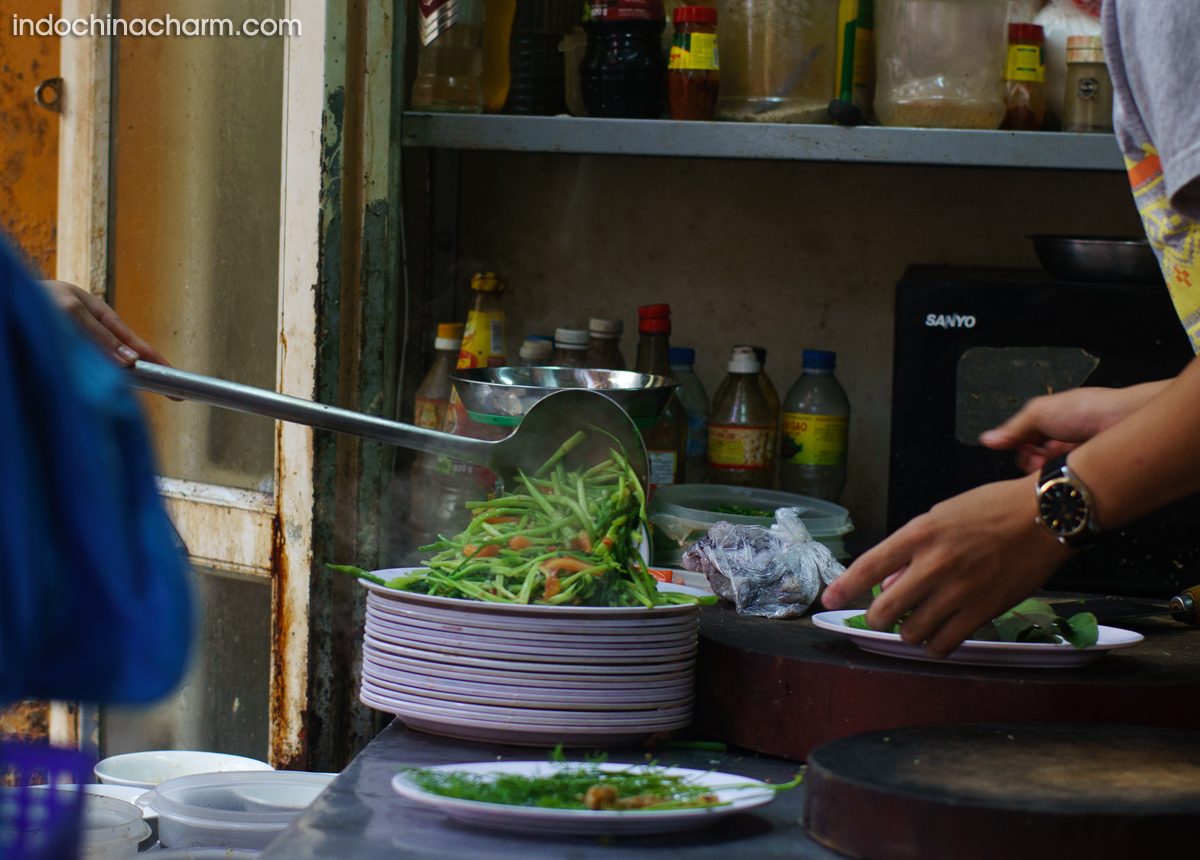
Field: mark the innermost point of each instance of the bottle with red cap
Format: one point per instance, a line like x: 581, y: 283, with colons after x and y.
x: 693, y: 76
x: 1025, y: 78
x: 666, y: 441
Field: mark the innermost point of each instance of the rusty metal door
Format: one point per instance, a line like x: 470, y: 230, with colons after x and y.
x: 233, y: 197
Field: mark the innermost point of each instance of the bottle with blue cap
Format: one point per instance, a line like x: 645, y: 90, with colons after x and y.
x: 816, y: 424
x: 694, y: 398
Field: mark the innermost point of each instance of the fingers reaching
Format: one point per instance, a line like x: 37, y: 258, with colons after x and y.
x: 870, y: 568
x: 1022, y: 428
x: 102, y: 324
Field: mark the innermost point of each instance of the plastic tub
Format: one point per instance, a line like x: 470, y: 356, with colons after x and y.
x: 232, y: 810
x: 112, y: 829
x: 682, y: 513
x: 148, y: 769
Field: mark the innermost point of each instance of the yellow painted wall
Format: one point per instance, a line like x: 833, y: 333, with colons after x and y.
x: 29, y: 141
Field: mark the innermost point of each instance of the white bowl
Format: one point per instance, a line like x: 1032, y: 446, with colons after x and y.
x: 148, y: 769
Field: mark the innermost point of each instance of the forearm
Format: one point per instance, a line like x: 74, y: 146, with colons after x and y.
x: 1150, y: 458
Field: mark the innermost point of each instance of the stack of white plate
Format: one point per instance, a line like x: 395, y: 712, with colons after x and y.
x: 534, y: 675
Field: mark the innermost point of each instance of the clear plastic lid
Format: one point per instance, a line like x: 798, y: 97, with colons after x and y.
x: 250, y: 800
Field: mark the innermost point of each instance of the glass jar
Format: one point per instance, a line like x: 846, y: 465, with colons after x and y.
x: 1025, y: 78
x: 570, y: 347
x: 940, y: 63
x: 449, y: 58
x: 1088, y: 103
x: 604, y: 344
x: 623, y: 74
x: 777, y: 60
x: 693, y: 76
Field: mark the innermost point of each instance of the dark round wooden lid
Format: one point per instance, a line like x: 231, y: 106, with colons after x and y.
x: 1020, y: 790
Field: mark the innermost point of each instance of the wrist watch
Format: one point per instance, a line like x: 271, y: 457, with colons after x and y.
x: 1065, y: 505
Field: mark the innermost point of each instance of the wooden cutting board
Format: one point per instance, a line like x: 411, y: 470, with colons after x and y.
x: 1018, y: 791
x: 783, y: 686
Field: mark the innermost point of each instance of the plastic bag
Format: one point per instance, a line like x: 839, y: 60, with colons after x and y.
x: 775, y: 572
x: 1061, y: 20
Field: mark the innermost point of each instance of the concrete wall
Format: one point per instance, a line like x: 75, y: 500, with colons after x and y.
x: 785, y: 255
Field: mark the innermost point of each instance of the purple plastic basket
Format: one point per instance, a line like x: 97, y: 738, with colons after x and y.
x: 40, y: 823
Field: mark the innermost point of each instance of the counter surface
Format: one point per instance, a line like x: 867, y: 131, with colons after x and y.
x: 360, y: 816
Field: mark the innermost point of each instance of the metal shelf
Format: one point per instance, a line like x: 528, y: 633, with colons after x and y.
x: 869, y: 145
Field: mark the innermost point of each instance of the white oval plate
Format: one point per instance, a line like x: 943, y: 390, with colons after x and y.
x: 1017, y: 655
x: 524, y: 697
x: 527, y: 610
x: 449, y: 672
x: 500, y: 687
x: 601, y: 639
x: 738, y: 793
x: 552, y: 624
x: 490, y: 728
x: 676, y: 664
x: 587, y: 737
x: 632, y: 651
x: 523, y: 715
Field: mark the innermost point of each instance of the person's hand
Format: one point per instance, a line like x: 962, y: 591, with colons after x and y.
x: 965, y: 562
x: 102, y: 324
x: 1057, y: 423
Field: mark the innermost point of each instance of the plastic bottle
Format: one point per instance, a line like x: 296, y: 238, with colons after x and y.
x: 570, y: 347
x: 604, y: 345
x: 497, y: 31
x: 482, y: 346
x: 764, y: 381
x: 429, y: 483
x: 624, y: 73
x: 433, y: 395
x: 1025, y: 78
x: 816, y: 422
x: 666, y: 441
x: 537, y: 351
x: 537, y: 83
x: 449, y: 75
x: 695, y: 403
x: 741, y: 428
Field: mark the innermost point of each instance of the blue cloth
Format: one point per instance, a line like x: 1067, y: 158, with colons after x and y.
x: 95, y: 603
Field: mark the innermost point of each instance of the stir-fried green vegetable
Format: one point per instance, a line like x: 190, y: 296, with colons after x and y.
x: 579, y: 786
x: 562, y: 538
x: 1029, y: 621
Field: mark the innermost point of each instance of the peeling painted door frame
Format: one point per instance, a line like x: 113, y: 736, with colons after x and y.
x: 338, y: 318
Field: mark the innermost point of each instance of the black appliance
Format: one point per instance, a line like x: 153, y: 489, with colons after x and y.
x: 973, y: 345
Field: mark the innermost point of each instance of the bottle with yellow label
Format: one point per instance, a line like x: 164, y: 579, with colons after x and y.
x: 741, y: 428
x: 816, y: 423
x: 1025, y: 78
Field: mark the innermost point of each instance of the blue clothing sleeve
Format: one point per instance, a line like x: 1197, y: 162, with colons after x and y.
x: 95, y: 603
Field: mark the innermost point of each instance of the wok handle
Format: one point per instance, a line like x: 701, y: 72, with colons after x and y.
x: 257, y: 401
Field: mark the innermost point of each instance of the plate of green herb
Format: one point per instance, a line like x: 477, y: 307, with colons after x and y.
x: 583, y: 798
x: 1030, y: 635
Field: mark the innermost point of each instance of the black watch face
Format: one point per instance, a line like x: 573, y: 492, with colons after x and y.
x: 1063, y: 508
